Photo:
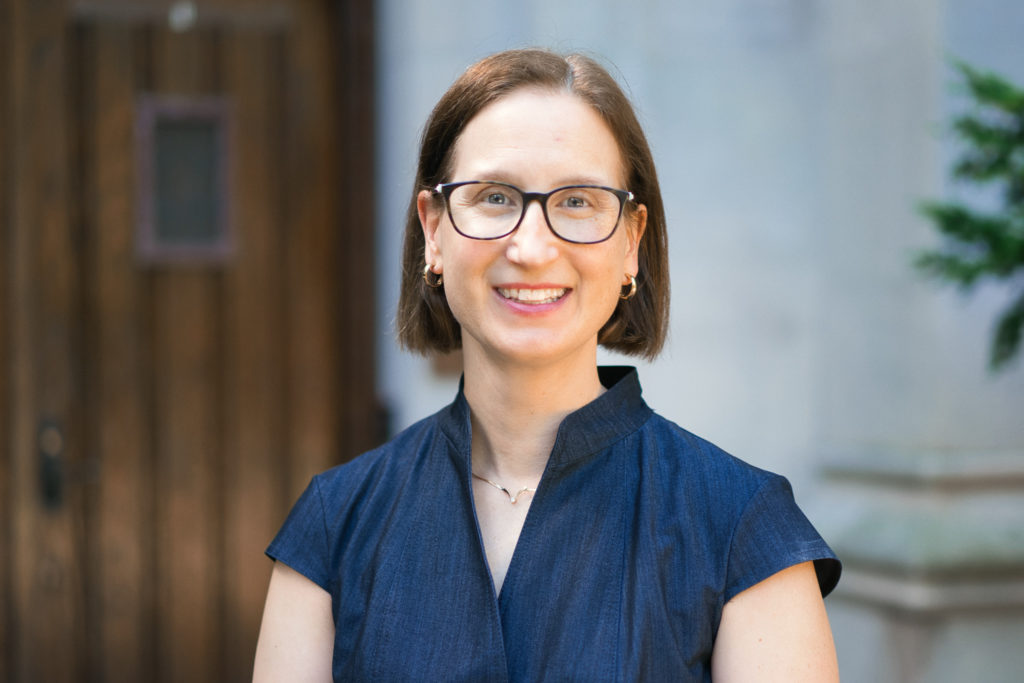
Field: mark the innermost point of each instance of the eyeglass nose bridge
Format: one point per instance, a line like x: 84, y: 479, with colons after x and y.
x: 542, y: 199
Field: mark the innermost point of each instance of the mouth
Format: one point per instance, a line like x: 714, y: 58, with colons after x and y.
x: 532, y: 296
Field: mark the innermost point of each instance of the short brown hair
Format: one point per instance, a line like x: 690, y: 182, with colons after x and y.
x: 637, y: 326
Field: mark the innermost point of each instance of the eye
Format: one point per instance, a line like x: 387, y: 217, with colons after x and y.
x: 576, y: 202
x: 577, y: 199
x: 489, y: 196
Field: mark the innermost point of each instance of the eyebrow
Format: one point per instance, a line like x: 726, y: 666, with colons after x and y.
x: 511, y: 179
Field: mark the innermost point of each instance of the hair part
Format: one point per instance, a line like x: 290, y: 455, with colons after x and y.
x: 639, y: 325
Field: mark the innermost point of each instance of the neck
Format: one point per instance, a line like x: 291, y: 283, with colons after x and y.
x: 516, y: 412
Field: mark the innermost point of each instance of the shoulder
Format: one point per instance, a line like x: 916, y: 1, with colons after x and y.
x: 342, y: 498
x: 685, y: 459
x: 742, y: 514
x: 352, y: 502
x: 393, y: 458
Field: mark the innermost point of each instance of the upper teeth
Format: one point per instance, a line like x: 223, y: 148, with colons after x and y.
x: 533, y: 296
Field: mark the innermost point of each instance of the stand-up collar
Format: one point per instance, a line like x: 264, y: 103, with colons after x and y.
x: 613, y: 415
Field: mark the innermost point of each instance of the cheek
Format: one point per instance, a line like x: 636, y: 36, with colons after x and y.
x: 458, y: 301
x: 465, y: 265
x: 612, y: 274
x: 614, y: 289
x: 608, y: 278
x: 615, y: 263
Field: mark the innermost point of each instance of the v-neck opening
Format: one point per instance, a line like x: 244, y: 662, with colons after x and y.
x: 516, y: 550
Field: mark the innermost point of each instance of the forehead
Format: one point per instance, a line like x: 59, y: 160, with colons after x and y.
x: 538, y: 136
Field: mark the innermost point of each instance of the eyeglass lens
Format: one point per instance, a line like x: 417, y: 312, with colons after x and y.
x: 491, y: 210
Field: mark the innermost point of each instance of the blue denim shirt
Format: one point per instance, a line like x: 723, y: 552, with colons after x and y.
x: 637, y: 536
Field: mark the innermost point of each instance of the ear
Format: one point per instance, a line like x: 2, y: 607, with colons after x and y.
x: 635, y: 227
x: 431, y: 212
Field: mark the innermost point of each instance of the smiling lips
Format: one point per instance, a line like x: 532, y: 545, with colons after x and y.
x: 533, y: 296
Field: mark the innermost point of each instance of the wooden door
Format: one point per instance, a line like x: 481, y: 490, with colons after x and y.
x: 161, y: 410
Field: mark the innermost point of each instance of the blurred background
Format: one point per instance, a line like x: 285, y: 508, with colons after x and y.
x: 178, y: 357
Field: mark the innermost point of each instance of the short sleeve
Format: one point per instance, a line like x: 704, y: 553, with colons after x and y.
x: 773, y: 534
x: 302, y: 541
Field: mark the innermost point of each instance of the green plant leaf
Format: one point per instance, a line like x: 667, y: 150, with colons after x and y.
x: 985, y: 245
x: 1007, y: 337
x: 990, y: 88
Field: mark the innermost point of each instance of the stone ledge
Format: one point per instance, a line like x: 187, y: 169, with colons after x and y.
x: 936, y: 469
x: 927, y: 596
x: 925, y: 531
x: 935, y: 538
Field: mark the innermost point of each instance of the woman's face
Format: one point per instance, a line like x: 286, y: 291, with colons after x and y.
x: 531, y: 297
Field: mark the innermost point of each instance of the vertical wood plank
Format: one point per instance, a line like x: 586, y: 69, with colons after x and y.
x: 353, y: 30
x: 81, y: 442
x: 47, y: 588
x: 21, y: 503
x: 186, y: 366
x: 6, y: 323
x: 312, y: 211
x: 19, y: 440
x: 122, y: 589
x: 254, y: 372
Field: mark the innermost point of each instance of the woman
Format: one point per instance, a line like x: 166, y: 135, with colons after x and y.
x: 641, y: 552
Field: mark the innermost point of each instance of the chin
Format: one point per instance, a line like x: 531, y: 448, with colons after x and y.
x: 536, y: 351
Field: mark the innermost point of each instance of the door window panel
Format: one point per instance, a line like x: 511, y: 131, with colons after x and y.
x: 184, y: 168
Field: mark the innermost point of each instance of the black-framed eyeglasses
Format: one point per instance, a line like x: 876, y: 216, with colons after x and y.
x: 490, y: 210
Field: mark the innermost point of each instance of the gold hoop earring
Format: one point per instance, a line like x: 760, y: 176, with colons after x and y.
x: 632, y: 289
x: 426, y: 277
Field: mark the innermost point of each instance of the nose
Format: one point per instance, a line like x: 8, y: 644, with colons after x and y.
x: 533, y: 243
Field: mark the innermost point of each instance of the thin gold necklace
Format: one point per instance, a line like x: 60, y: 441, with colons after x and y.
x: 505, y: 490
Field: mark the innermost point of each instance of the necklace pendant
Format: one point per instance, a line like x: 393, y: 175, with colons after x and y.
x: 521, y: 492
x: 512, y: 499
